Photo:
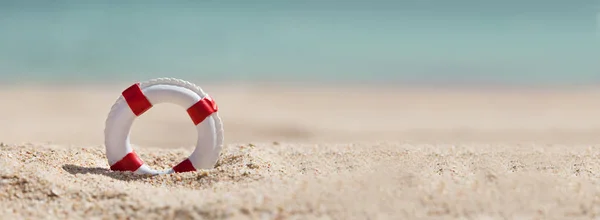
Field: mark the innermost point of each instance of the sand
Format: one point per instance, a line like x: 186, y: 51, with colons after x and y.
x: 344, y: 152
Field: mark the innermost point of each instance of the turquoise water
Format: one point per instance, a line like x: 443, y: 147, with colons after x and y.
x: 425, y: 41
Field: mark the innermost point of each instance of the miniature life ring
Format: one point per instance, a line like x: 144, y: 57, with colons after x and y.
x: 139, y: 98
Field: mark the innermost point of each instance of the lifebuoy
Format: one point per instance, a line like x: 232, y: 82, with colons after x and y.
x: 139, y: 98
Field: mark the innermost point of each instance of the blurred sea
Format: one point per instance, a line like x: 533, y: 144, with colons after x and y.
x: 404, y: 41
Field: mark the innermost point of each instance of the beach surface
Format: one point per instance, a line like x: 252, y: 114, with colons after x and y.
x: 319, y: 152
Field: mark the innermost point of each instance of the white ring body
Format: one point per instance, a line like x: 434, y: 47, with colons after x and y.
x: 118, y: 126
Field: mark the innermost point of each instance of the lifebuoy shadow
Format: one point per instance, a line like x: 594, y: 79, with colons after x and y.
x: 124, y: 176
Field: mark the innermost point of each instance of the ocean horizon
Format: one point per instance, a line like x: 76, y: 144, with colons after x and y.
x: 424, y: 42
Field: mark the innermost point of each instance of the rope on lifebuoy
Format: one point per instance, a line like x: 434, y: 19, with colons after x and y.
x: 139, y: 98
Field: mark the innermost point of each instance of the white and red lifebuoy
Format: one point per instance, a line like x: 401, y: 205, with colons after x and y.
x: 139, y: 98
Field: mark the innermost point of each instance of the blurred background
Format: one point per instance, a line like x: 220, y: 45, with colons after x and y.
x: 327, y: 48
x: 408, y: 41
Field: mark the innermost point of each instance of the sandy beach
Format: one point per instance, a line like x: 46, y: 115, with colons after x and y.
x: 344, y: 152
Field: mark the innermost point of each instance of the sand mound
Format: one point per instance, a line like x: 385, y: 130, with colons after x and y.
x: 343, y: 181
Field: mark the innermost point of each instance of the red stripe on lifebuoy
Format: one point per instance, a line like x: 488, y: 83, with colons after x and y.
x: 184, y: 166
x: 131, y: 162
x: 137, y: 101
x: 202, y: 109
